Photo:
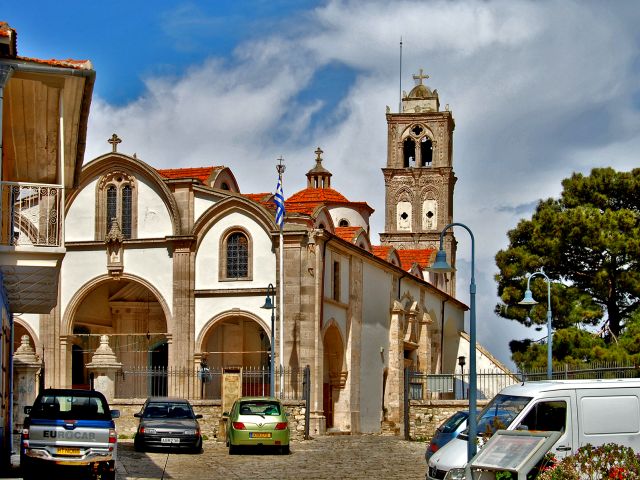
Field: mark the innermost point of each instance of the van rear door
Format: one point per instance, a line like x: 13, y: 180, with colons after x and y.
x: 556, y: 414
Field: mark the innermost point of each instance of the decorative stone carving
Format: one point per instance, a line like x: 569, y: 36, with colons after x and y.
x: 103, y: 367
x: 115, y: 250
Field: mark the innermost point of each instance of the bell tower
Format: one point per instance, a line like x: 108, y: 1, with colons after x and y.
x: 419, y: 176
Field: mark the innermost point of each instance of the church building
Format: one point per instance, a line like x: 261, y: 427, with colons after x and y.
x: 173, y: 266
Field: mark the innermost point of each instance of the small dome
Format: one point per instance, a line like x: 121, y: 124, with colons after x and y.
x: 421, y: 92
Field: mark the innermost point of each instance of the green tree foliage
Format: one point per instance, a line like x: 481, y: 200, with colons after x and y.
x: 588, y: 242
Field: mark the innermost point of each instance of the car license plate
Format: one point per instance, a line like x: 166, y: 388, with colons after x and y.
x: 169, y: 440
x: 259, y: 435
x: 68, y: 451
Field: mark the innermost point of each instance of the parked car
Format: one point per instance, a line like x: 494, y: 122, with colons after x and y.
x: 168, y: 423
x: 70, y: 430
x: 447, y: 431
x: 257, y: 421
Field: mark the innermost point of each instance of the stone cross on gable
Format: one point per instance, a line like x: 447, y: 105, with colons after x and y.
x: 421, y: 76
x: 114, y: 141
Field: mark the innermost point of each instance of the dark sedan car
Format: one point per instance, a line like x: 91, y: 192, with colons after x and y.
x: 168, y: 423
x: 447, y: 431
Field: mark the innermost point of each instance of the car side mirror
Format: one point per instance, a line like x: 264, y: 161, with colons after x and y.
x: 522, y: 427
x: 115, y: 413
x: 225, y: 414
x: 27, y: 410
x: 137, y: 415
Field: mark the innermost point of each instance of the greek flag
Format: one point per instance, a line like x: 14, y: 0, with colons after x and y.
x: 278, y: 199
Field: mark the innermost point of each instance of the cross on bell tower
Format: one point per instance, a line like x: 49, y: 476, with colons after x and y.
x: 114, y: 141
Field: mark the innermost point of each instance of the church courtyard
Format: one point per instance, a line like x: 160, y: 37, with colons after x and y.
x: 325, y: 457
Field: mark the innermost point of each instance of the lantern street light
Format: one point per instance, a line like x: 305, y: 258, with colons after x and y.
x: 441, y: 266
x: 269, y: 304
x: 528, y: 300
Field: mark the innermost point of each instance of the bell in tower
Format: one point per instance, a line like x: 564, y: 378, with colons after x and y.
x: 419, y: 178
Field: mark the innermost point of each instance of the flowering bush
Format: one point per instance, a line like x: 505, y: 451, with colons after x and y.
x: 607, y: 462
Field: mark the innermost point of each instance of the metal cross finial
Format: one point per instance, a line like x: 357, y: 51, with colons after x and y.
x: 421, y: 76
x: 114, y: 141
x: 280, y: 167
x: 318, y: 153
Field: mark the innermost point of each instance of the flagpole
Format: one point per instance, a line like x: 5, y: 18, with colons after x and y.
x: 280, y: 168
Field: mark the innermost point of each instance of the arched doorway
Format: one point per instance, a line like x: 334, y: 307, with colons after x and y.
x: 131, y: 316
x: 334, y: 374
x: 237, y: 341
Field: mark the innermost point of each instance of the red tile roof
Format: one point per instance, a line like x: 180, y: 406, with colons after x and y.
x: 348, y: 234
x: 303, y: 208
x: 200, y: 173
x: 318, y: 195
x: 264, y: 199
x: 68, y: 63
x: 381, y: 251
x: 422, y: 257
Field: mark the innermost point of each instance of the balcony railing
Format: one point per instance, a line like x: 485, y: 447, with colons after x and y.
x: 31, y: 214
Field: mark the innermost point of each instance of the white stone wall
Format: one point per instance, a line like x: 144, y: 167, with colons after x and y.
x: 354, y: 218
x: 200, y: 204
x: 80, y: 221
x: 153, y: 217
x: 207, y: 256
x: 374, y: 354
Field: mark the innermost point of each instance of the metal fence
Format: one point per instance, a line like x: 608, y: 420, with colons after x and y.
x: 33, y: 211
x: 424, y: 386
x: 206, y: 383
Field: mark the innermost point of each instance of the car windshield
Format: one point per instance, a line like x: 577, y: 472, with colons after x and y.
x: 451, y: 424
x: 70, y: 407
x: 168, y: 410
x: 499, y: 413
x: 260, y: 408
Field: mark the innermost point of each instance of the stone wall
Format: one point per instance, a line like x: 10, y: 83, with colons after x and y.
x: 426, y: 415
x: 211, y: 411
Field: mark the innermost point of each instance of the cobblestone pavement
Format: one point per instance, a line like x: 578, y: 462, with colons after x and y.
x: 326, y: 457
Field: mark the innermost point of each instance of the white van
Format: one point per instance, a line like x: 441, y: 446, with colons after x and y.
x: 584, y: 411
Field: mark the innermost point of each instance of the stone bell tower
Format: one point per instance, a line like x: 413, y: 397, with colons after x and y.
x: 419, y: 176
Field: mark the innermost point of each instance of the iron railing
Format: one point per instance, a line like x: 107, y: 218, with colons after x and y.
x: 424, y: 386
x: 31, y: 213
x: 206, y: 383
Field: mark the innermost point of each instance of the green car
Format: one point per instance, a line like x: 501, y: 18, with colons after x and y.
x: 257, y: 421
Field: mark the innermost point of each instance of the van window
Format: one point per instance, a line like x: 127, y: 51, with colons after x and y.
x: 499, y: 413
x: 546, y: 417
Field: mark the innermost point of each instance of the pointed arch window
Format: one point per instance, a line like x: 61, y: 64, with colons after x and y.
x: 417, y: 147
x: 116, y: 200
x: 236, y: 255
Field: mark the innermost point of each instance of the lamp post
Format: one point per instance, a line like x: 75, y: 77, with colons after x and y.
x: 269, y: 304
x: 528, y: 300
x: 461, y: 362
x: 441, y: 266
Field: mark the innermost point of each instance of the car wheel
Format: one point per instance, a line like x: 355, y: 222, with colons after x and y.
x: 28, y: 472
x: 198, y: 448
x: 108, y: 476
x: 233, y: 449
x: 284, y: 450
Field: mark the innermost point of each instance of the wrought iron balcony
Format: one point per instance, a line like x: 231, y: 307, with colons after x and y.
x: 31, y: 214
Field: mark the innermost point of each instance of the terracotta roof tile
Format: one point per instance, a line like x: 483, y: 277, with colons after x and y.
x: 422, y: 257
x: 317, y: 195
x: 264, y: 199
x: 305, y: 208
x: 200, y: 173
x: 381, y: 251
x: 348, y: 234
x: 68, y: 63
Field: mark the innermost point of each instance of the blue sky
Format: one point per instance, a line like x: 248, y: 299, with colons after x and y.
x: 538, y: 90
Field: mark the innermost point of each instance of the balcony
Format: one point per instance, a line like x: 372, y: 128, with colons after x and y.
x: 31, y: 244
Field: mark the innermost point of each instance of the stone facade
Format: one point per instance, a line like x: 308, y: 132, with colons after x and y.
x: 426, y: 416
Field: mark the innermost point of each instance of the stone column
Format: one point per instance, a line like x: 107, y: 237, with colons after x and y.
x: 394, y: 391
x: 104, y: 367
x: 26, y: 366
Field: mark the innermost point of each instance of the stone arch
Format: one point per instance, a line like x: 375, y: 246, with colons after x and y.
x: 251, y: 351
x: 88, y: 287
x: 25, y: 329
x: 102, y: 165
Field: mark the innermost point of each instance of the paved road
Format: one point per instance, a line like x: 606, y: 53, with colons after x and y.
x: 327, y: 457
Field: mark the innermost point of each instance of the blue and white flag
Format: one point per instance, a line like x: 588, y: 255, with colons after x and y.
x: 278, y: 199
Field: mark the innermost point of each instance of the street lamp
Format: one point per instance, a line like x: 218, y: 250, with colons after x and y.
x: 528, y: 300
x: 461, y: 362
x: 269, y: 304
x: 441, y: 266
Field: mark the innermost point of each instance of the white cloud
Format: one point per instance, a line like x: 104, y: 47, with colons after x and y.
x: 538, y: 90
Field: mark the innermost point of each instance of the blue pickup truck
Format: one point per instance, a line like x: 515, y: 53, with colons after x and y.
x: 71, y: 430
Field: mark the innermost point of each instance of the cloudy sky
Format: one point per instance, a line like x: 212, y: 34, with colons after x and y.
x: 538, y: 90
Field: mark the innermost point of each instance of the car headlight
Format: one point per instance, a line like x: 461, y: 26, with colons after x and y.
x: 189, y: 432
x: 456, y: 474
